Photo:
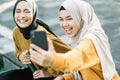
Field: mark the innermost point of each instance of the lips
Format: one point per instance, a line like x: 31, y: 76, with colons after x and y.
x: 22, y: 21
x: 68, y: 31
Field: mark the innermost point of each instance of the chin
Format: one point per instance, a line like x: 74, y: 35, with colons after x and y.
x: 70, y: 36
x: 22, y: 26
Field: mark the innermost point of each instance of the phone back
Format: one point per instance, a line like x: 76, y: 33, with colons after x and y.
x: 39, y: 38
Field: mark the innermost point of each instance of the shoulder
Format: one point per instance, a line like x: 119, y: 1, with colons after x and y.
x: 15, y: 29
x: 86, y: 43
x: 40, y: 28
x: 48, y: 33
x: 54, y: 38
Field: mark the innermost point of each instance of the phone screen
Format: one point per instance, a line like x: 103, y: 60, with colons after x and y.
x: 39, y: 38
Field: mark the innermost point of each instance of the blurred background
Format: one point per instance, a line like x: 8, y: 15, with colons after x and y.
x: 107, y: 11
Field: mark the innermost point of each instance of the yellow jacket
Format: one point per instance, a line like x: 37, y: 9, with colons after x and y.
x: 83, y: 58
x: 21, y: 44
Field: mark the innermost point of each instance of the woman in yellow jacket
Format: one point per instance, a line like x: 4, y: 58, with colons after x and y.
x: 24, y: 14
x: 90, y: 58
x: 25, y: 18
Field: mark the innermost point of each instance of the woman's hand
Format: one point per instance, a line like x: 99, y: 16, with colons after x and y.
x: 59, y: 78
x: 41, y: 56
x: 40, y: 73
x: 25, y: 57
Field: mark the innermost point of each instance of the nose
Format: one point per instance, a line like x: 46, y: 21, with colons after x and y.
x: 22, y: 15
x: 65, y: 24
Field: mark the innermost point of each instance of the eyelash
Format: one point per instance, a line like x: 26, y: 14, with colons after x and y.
x: 17, y: 11
x: 69, y: 19
x: 66, y: 19
x: 27, y: 11
x: 24, y: 11
x: 60, y: 19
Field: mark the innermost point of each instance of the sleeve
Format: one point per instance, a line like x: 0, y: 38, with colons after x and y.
x: 81, y: 57
x: 17, y: 50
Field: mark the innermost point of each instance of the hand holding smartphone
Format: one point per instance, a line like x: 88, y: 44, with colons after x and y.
x: 38, y: 38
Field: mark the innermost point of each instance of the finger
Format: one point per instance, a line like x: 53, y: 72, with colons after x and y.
x: 36, y: 48
x: 59, y: 78
x: 25, y: 52
x: 34, y: 53
x: 37, y: 74
x: 26, y: 62
x: 50, y: 44
x: 25, y: 57
x: 35, y: 57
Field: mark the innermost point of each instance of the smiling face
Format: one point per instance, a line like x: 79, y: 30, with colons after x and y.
x: 23, y: 14
x: 67, y: 23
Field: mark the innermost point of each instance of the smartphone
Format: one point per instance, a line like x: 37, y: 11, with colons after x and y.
x: 39, y: 38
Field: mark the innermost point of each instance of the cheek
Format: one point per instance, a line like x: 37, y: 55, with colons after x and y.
x: 61, y: 24
x: 30, y: 17
x: 76, y: 30
x: 15, y: 17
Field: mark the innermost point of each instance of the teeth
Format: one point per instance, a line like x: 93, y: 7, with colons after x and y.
x: 66, y: 29
x: 22, y: 21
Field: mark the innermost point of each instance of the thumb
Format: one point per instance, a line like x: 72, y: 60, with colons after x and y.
x: 50, y: 45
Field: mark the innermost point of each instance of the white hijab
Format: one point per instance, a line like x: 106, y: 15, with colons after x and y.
x: 91, y: 28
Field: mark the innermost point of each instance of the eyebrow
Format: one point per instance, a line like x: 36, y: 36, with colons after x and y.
x: 17, y: 9
x: 26, y: 9
x: 66, y: 17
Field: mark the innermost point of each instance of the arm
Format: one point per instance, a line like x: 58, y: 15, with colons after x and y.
x: 16, y: 44
x: 22, y: 53
x: 83, y: 56
x: 59, y: 46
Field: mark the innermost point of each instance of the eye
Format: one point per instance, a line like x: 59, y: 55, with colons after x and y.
x: 69, y: 18
x: 60, y: 19
x: 27, y: 11
x: 17, y: 11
